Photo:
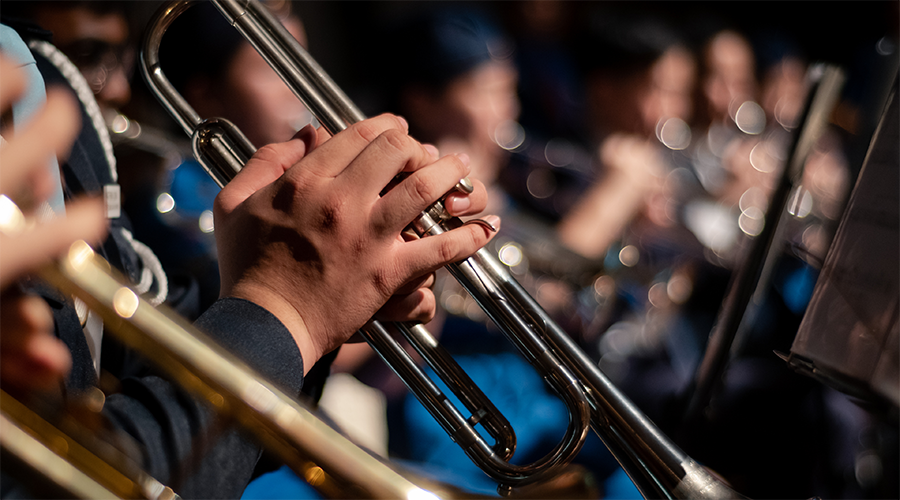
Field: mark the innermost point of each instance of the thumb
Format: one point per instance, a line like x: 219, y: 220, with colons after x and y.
x: 268, y: 164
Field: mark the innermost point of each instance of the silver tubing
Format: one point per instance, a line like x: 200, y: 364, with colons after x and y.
x: 223, y: 150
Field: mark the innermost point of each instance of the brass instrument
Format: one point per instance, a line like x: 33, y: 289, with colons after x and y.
x: 57, y: 465
x: 655, y: 464
x: 280, y: 423
x: 69, y: 461
x: 222, y: 150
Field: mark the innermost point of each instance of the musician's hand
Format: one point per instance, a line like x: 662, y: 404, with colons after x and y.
x: 30, y: 356
x: 308, y: 237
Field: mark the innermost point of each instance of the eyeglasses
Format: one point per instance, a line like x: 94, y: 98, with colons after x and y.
x: 97, y: 60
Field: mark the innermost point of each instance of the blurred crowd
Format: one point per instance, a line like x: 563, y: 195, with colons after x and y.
x: 631, y: 150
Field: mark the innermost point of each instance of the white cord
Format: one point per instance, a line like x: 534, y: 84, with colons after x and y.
x: 85, y: 95
x: 152, y: 269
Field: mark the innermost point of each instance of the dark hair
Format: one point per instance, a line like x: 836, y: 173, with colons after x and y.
x: 438, y: 45
x: 623, y: 43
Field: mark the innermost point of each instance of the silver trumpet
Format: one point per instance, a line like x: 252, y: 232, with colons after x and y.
x: 68, y: 458
x: 223, y: 150
x: 657, y: 466
x: 311, y: 448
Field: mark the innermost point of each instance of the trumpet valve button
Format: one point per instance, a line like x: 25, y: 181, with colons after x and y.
x: 465, y: 185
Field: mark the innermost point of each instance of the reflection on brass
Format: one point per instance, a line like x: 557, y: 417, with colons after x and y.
x: 315, y: 476
x: 12, y: 221
x: 79, y: 255
x: 280, y: 422
x: 94, y: 399
x: 125, y: 302
x: 54, y: 464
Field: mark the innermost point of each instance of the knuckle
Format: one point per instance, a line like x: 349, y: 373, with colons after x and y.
x: 359, y: 246
x: 396, y: 140
x: 392, y: 120
x: 289, y: 194
x: 366, y: 130
x: 382, y: 283
x: 269, y: 153
x: 423, y: 189
x: 448, y: 250
x: 331, y: 214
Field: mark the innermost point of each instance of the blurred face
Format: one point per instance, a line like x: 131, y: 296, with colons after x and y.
x: 477, y: 104
x: 784, y: 89
x: 97, y: 45
x: 672, y: 84
x: 255, y: 98
x: 730, y: 64
x: 484, y: 99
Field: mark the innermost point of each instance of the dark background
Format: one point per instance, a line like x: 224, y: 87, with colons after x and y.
x: 347, y: 37
x: 343, y: 34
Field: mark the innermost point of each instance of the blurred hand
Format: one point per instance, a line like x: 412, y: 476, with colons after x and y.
x: 633, y: 158
x: 303, y: 231
x: 30, y: 356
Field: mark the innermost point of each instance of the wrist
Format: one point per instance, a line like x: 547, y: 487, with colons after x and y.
x: 289, y: 316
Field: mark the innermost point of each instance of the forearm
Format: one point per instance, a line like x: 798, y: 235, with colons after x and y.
x: 177, y: 433
x: 598, y: 219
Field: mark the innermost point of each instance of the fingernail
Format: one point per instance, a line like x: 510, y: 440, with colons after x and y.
x: 464, y: 158
x: 432, y: 150
x: 493, y: 220
x: 456, y: 205
x: 404, y: 123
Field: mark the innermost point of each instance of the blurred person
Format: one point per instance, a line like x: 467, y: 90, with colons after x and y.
x: 95, y: 36
x: 457, y: 87
x: 278, y: 325
x: 96, y: 63
x: 220, y: 75
x: 32, y: 358
x: 639, y: 79
x: 736, y: 156
x: 784, y: 85
x: 729, y: 122
x: 465, y: 91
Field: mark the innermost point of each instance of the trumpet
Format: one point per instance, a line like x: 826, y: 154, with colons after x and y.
x: 658, y: 467
x: 66, y: 459
x: 222, y: 150
x: 315, y: 451
x: 58, y: 465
